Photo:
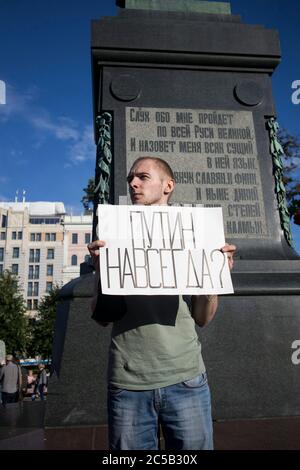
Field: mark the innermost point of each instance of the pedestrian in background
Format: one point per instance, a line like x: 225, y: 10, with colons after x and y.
x: 41, y: 383
x: 10, y: 381
x: 30, y: 383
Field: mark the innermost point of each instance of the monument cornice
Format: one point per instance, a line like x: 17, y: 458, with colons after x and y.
x: 191, y: 43
x: 167, y: 59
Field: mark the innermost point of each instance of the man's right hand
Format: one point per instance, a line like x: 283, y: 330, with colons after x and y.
x: 94, y: 251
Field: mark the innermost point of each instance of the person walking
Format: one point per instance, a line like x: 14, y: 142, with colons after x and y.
x: 41, y: 383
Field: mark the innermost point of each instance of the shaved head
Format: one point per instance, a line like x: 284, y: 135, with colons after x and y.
x: 162, y: 164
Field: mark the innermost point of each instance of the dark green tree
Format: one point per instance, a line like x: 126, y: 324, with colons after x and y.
x: 88, y: 199
x: 42, y: 327
x: 13, y: 322
x: 291, y: 164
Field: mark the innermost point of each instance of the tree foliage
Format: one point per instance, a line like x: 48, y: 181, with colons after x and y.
x: 13, y: 323
x: 88, y: 198
x: 42, y: 327
x: 291, y: 172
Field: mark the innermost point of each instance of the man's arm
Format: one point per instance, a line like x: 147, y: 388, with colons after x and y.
x: 94, y: 248
x: 96, y: 291
x: 204, y: 307
x: 105, y: 308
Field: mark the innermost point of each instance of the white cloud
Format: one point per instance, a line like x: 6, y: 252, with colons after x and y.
x: 24, y: 105
x: 17, y: 104
x: 62, y: 128
x: 16, y: 153
x: 57, y: 128
x: 84, y: 148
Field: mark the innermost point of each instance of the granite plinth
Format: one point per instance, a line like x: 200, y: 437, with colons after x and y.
x: 77, y: 387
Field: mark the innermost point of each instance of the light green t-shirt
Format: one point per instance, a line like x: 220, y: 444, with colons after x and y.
x: 154, y: 345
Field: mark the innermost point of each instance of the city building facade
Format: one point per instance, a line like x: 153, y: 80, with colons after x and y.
x: 42, y: 245
x: 77, y: 234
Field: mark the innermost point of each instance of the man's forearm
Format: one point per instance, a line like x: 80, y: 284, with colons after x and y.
x: 96, y: 290
x: 204, y: 308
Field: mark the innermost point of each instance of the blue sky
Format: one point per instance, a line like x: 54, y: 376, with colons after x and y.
x: 46, y: 136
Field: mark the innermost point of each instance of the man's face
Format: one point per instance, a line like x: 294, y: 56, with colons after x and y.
x: 148, y: 184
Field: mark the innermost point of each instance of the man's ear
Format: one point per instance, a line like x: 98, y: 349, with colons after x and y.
x: 169, y: 186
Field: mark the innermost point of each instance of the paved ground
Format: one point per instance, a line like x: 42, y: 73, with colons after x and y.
x: 21, y: 427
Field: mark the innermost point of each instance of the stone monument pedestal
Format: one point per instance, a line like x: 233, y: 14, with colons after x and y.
x: 76, y: 414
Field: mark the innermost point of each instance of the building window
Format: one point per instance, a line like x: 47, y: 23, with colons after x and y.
x: 33, y: 272
x: 51, y: 221
x: 29, y: 304
x: 87, y: 237
x: 35, y: 237
x: 13, y: 235
x: 16, y: 252
x: 36, y: 289
x: 4, y: 221
x: 30, y: 272
x: 74, y: 238
x: 49, y: 269
x: 34, y: 255
x: 39, y: 221
x: 35, y: 304
x: 1, y: 269
x: 50, y: 253
x: 87, y: 258
x: 29, y: 289
x: 1, y: 254
x: 50, y: 237
x: 49, y: 286
x: 20, y: 235
x: 74, y: 260
x: 15, y: 269
x: 2, y: 236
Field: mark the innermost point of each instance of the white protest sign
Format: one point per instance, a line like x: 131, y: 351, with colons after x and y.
x: 162, y: 250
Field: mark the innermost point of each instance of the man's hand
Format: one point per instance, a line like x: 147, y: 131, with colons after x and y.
x: 94, y: 251
x: 204, y: 307
x: 230, y: 251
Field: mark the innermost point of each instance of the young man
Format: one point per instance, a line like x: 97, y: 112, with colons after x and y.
x: 156, y: 374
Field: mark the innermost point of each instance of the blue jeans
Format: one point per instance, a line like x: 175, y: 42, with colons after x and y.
x: 183, y: 410
x: 42, y: 391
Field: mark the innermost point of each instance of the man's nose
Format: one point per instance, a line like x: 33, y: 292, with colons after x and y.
x: 134, y: 182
